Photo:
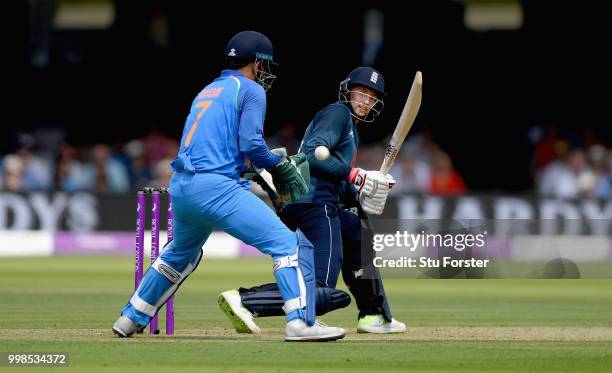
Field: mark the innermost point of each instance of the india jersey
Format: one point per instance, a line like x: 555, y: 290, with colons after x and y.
x: 224, y: 126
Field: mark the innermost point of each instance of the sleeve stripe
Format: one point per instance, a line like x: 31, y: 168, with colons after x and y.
x: 237, y: 91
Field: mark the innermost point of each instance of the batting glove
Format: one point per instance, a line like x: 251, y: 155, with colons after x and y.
x: 371, y: 183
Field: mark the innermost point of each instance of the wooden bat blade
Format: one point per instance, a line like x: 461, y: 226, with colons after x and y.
x: 409, y: 113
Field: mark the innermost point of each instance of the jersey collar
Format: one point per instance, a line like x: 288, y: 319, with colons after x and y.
x: 229, y: 72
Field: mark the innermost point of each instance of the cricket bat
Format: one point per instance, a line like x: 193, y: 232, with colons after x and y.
x: 411, y: 108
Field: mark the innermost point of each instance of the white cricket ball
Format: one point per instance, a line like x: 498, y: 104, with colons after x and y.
x: 321, y: 153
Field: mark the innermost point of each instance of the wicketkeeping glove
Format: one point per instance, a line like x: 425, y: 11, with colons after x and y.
x: 253, y: 173
x: 291, y: 176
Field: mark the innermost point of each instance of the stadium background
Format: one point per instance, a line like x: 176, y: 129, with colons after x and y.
x: 514, y: 125
x: 486, y: 91
x: 100, y: 90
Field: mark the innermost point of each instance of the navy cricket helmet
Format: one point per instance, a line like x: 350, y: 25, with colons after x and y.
x: 367, y: 77
x: 249, y: 46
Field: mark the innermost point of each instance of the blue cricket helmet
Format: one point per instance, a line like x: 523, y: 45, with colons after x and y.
x: 367, y: 77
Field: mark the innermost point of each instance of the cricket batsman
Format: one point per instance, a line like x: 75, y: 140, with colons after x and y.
x: 323, y: 215
x: 225, y: 126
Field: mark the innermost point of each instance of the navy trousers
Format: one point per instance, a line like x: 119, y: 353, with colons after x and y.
x: 330, y: 229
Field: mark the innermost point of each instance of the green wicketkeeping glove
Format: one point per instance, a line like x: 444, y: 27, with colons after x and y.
x: 254, y: 174
x: 291, y: 177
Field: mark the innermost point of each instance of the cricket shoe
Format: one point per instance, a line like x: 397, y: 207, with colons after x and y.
x: 378, y: 324
x: 124, y: 327
x: 297, y: 331
x: 242, y: 319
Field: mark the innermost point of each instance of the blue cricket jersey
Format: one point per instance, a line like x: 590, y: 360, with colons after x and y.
x: 224, y: 126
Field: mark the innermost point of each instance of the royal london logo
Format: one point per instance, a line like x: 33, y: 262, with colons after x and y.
x: 232, y: 52
x: 374, y: 77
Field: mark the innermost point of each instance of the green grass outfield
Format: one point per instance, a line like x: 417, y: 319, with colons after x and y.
x: 68, y: 304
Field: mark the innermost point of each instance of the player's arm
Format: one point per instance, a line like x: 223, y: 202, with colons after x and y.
x: 328, y: 128
x: 250, y: 130
x: 290, y: 173
x: 372, y: 187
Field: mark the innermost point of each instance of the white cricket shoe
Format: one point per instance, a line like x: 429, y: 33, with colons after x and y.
x: 241, y: 318
x: 378, y: 324
x: 297, y: 330
x: 124, y: 327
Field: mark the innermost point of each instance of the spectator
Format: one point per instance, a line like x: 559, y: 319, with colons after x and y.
x: 71, y: 173
x: 286, y: 137
x: 107, y: 174
x: 140, y: 173
x: 13, y: 171
x: 560, y: 177
x: 162, y: 172
x: 412, y: 174
x: 546, y: 148
x: 37, y: 173
x: 370, y: 157
x: 419, y: 146
x: 157, y: 146
x: 445, y: 180
x: 601, y: 160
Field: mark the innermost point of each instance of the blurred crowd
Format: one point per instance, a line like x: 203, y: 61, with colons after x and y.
x: 422, y: 166
x: 560, y: 168
x: 40, y: 165
x: 567, y: 165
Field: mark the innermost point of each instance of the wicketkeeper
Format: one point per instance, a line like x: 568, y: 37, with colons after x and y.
x: 225, y: 126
